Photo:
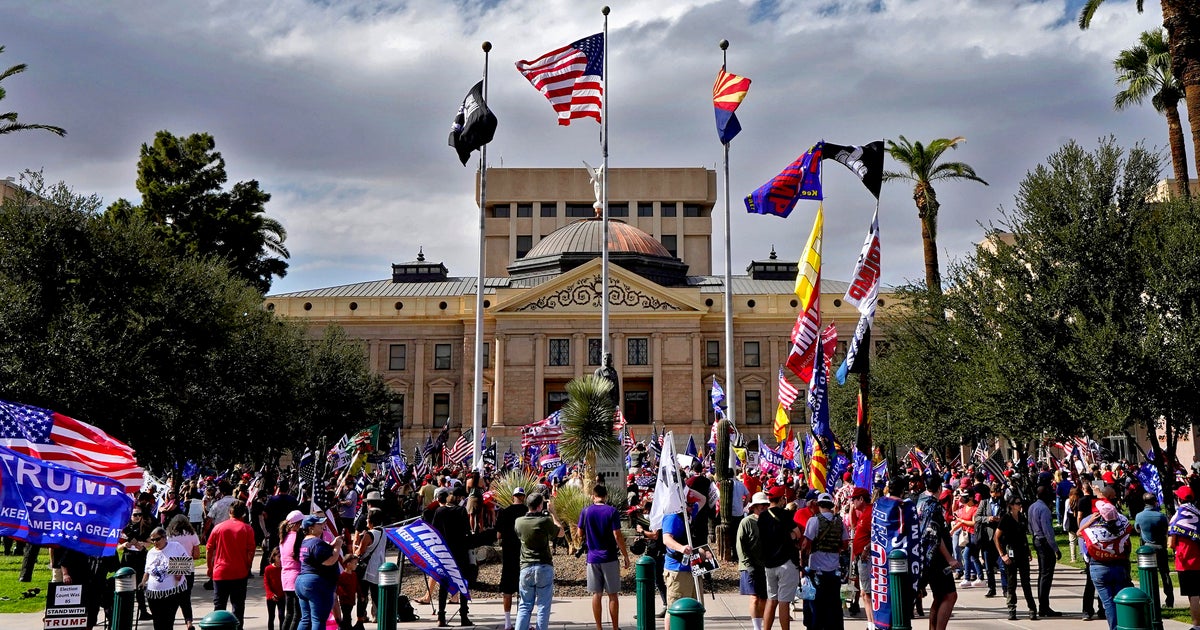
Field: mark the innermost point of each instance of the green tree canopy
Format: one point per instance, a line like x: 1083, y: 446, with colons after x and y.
x: 180, y: 179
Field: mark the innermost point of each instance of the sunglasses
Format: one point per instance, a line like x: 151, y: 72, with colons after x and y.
x: 138, y: 514
x: 155, y: 538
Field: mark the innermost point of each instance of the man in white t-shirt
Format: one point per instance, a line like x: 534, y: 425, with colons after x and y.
x: 825, y: 537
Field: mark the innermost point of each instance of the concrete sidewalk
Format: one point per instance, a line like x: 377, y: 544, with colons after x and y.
x: 727, y: 611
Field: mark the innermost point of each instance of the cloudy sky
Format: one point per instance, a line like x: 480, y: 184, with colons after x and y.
x: 341, y: 109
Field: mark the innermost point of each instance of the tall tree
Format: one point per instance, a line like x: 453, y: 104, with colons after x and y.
x: 1145, y: 71
x: 924, y: 169
x: 1181, y: 19
x: 8, y: 120
x: 180, y: 179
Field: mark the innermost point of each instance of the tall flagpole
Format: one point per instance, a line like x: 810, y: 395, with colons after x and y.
x: 604, y: 341
x: 725, y: 529
x: 477, y: 420
x: 730, y: 386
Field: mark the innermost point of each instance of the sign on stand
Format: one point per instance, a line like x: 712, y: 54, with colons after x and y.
x: 64, y: 606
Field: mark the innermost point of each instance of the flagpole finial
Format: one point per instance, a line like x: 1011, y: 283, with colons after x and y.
x: 487, y: 46
x: 604, y: 10
x: 724, y: 44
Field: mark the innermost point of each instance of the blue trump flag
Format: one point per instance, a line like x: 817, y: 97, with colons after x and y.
x: 1148, y: 475
x: 862, y: 470
x: 425, y: 548
x: 800, y: 180
x: 46, y: 504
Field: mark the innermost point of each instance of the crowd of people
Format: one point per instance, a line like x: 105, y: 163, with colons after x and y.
x: 319, y: 552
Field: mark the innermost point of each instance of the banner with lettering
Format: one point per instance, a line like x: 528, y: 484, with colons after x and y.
x: 889, y: 520
x: 47, y: 504
x: 426, y: 549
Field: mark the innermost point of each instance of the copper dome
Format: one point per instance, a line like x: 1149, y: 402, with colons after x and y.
x: 584, y: 236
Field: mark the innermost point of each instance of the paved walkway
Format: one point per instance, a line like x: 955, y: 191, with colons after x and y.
x: 724, y: 612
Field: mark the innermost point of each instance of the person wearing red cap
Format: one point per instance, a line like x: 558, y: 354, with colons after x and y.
x: 1183, y: 537
x: 781, y: 559
x: 861, y: 514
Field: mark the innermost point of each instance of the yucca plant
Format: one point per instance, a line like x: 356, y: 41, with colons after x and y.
x: 503, y: 486
x: 587, y: 424
x: 568, y: 504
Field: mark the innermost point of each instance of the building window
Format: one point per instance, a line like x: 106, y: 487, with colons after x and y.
x: 595, y: 350
x: 555, y: 401
x: 645, y: 209
x: 618, y: 209
x: 484, y: 412
x: 750, y: 353
x: 637, y: 407
x: 560, y: 352
x: 668, y: 209
x: 441, y: 409
x: 524, y: 210
x: 753, y: 411
x: 691, y: 210
x: 397, y: 356
x: 396, y: 410
x: 487, y: 355
x: 549, y: 209
x: 638, y: 351
x: 524, y: 244
x: 500, y: 212
x: 441, y: 356
x: 712, y: 354
x: 580, y: 210
x: 671, y: 242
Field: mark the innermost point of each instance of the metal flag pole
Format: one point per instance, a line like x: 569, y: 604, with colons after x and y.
x: 730, y: 385
x: 604, y: 341
x: 477, y: 419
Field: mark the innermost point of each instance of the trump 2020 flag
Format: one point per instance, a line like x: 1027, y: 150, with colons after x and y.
x: 800, y: 180
x: 474, y: 125
x: 718, y: 399
x: 426, y: 549
x: 866, y: 161
x: 728, y: 92
x: 571, y: 78
x: 668, y: 490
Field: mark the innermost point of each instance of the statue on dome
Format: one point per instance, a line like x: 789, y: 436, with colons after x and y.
x: 597, y: 176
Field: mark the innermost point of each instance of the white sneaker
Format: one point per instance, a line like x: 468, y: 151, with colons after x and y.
x: 965, y: 583
x: 977, y: 583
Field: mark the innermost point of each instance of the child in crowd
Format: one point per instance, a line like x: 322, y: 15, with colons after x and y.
x: 347, y: 590
x: 273, y: 588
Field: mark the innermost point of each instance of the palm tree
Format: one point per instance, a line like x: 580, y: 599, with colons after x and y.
x: 923, y: 170
x: 1181, y: 19
x: 587, y: 424
x: 8, y: 120
x: 1145, y: 71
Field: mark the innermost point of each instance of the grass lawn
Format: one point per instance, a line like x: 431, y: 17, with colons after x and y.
x: 11, y: 589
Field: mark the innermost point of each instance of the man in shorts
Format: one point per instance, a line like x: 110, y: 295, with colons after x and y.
x: 861, y: 514
x: 750, y: 565
x: 825, y: 536
x: 781, y: 558
x: 600, y: 524
x: 510, y: 552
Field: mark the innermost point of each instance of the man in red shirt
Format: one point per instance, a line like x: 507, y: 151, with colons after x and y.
x: 860, y: 546
x: 230, y: 555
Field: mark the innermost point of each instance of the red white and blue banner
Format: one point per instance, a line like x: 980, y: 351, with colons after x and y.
x: 425, y: 548
x: 47, y: 504
x: 890, y: 518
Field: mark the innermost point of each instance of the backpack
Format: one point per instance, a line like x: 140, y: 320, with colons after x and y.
x: 829, y: 534
x: 404, y: 609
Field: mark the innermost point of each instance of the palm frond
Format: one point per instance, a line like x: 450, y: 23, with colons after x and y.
x: 955, y: 170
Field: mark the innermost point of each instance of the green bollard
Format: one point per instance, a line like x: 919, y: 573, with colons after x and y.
x: 219, y: 620
x: 389, y: 590
x: 1147, y: 556
x: 897, y: 583
x: 1133, y: 607
x: 122, y: 611
x: 644, y: 573
x: 686, y: 614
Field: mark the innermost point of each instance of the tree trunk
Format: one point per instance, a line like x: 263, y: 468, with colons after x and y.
x: 589, y: 472
x: 1178, y: 150
x: 1181, y: 18
x: 927, y: 209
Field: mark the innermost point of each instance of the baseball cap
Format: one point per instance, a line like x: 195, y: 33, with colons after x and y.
x: 295, y: 516
x: 859, y: 492
x: 759, y: 498
x: 518, y: 491
x: 777, y: 492
x: 312, y: 519
x: 824, y: 499
x: 1107, y: 510
x: 1184, y: 493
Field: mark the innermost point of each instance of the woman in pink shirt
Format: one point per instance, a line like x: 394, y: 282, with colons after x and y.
x: 289, y: 569
x: 964, y: 520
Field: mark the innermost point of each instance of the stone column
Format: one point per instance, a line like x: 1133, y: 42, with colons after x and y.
x: 498, y: 383
x: 773, y: 344
x: 539, y: 375
x: 698, y: 394
x: 418, y: 388
x: 656, y: 400
x: 579, y: 353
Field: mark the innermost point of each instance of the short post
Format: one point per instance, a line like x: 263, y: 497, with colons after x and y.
x: 122, y: 611
x: 686, y: 614
x: 1147, y: 556
x: 389, y: 590
x: 644, y: 578
x: 899, y: 601
x: 1133, y: 608
x: 219, y: 620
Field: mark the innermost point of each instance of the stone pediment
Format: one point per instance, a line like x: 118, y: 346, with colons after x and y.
x: 579, y: 292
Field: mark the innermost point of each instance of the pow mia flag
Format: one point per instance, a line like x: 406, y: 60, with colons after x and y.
x: 474, y: 125
x: 866, y: 161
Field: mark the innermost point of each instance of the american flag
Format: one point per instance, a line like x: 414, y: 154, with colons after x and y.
x: 461, y: 450
x: 510, y: 460
x: 420, y: 464
x: 545, y: 431
x: 627, y: 439
x: 787, y: 392
x: 571, y: 78
x: 53, y: 437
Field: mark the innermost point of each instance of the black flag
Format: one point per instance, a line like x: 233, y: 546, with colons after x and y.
x: 474, y: 125
x: 866, y: 162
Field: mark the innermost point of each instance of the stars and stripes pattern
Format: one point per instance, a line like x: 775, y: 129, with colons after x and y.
x: 788, y: 393
x: 571, y: 78
x: 545, y: 431
x: 56, y: 438
x: 462, y: 448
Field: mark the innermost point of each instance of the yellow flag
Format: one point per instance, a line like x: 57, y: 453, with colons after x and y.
x: 818, y: 467
x: 782, y: 422
x: 808, y: 278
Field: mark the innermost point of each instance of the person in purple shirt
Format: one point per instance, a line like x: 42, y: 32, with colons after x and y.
x: 600, y: 524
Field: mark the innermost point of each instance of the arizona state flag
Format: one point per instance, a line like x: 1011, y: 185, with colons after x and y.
x: 474, y: 125
x: 728, y: 92
x: 818, y: 467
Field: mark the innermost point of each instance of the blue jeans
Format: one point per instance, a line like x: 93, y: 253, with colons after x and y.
x: 971, y: 569
x: 536, y: 589
x: 1109, y: 580
x: 316, y: 601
